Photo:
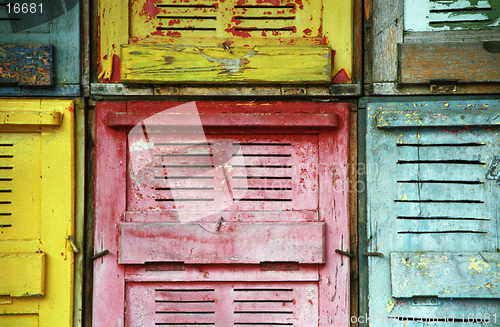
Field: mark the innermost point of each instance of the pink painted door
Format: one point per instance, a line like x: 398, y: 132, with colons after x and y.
x: 221, y: 214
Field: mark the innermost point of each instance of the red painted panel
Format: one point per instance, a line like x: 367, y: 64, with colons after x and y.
x: 231, y: 242
x: 127, y: 194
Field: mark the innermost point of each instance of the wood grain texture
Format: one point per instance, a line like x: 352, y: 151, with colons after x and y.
x: 232, y: 243
x: 387, y: 20
x: 171, y: 64
x: 26, y: 64
x: 459, y: 62
x: 445, y: 274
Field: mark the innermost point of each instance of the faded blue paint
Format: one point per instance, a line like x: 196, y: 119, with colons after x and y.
x: 428, y: 191
x: 59, y: 25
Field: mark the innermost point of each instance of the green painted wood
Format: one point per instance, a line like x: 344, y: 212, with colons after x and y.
x: 445, y: 274
x: 420, y: 199
x: 431, y: 118
x: 26, y: 64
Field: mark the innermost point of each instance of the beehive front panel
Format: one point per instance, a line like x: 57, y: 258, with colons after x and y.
x: 432, y: 218
x: 36, y: 213
x: 225, y: 41
x: 229, y: 209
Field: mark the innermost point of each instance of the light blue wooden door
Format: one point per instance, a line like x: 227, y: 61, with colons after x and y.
x: 433, y: 198
x: 40, y: 35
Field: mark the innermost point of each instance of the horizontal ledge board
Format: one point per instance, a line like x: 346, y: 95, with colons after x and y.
x: 30, y: 118
x: 262, y: 64
x: 234, y: 242
x: 463, y: 62
x: 445, y: 274
x: 22, y: 274
x: 431, y: 118
x: 26, y: 64
x: 123, y: 119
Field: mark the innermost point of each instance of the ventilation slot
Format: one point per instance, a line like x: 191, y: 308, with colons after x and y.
x: 264, y: 18
x: 458, y: 12
x: 185, y: 307
x: 264, y: 306
x: 441, y: 189
x: 187, y: 17
x: 6, y: 171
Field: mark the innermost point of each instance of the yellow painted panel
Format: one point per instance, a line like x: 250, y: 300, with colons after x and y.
x: 22, y: 274
x: 258, y: 64
x: 239, y: 23
x: 20, y: 320
x: 42, y: 206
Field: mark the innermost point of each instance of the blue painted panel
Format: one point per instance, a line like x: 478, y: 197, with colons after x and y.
x: 60, y: 90
x: 428, y: 191
x: 59, y: 25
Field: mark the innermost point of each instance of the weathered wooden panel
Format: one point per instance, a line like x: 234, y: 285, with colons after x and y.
x: 223, y: 119
x: 445, y: 274
x: 428, y: 193
x: 163, y: 64
x: 26, y: 64
x: 36, y: 221
x: 269, y: 229
x: 232, y: 242
x: 22, y: 274
x: 449, y: 61
x: 430, y: 118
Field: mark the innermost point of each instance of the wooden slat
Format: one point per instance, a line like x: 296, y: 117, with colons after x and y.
x: 456, y: 210
x: 450, y: 5
x: 25, y: 64
x: 233, y: 243
x: 30, y: 118
x: 121, y: 119
x: 171, y: 64
x: 443, y: 172
x: 446, y: 152
x: 22, y: 274
x: 431, y: 118
x: 436, y: 191
x: 459, y: 61
x: 445, y: 274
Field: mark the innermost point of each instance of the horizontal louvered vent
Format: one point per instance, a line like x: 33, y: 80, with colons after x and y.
x: 441, y: 188
x: 234, y: 18
x: 431, y: 15
x: 262, y: 173
x: 222, y: 304
x: 6, y: 178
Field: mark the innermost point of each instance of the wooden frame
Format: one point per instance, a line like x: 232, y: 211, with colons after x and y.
x: 398, y: 62
x: 108, y: 306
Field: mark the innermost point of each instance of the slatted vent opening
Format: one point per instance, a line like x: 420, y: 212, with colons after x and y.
x: 223, y: 304
x: 250, y: 17
x: 252, y: 173
x: 6, y: 178
x: 441, y: 188
x: 452, y: 14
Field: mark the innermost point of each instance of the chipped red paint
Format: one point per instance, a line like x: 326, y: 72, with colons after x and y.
x: 307, y: 31
x: 341, y: 77
x: 299, y: 3
x: 158, y: 32
x: 238, y: 33
x: 151, y: 9
x: 174, y: 34
x: 70, y: 109
x: 324, y: 41
x: 173, y: 22
x: 264, y: 33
